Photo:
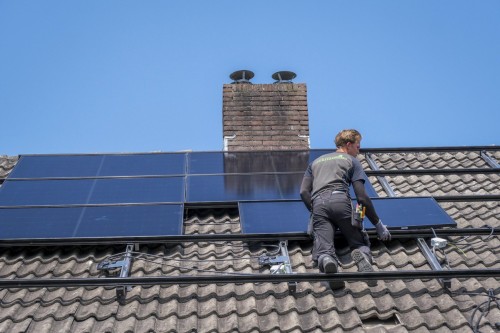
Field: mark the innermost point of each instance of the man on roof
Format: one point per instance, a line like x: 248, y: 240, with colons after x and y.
x: 325, y: 192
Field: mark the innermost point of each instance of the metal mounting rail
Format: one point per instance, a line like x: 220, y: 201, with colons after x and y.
x: 467, y: 198
x: 433, y: 262
x: 245, y: 278
x: 431, y: 171
x: 490, y: 160
x: 292, y: 236
x: 385, y: 184
x: 428, y: 149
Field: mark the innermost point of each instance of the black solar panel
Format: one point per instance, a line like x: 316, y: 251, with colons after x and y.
x: 273, y: 217
x: 94, y: 222
x: 144, y: 164
x: 292, y: 216
x: 41, y: 166
x: 64, y: 166
x: 92, y: 191
x: 232, y: 188
x: 247, y: 162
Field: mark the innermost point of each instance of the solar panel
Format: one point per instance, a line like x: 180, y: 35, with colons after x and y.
x: 292, y: 216
x: 66, y: 166
x: 108, y: 221
x: 39, y: 166
x: 92, y: 191
x: 411, y: 213
x: 231, y: 188
x: 247, y: 162
x: 144, y: 164
x: 273, y: 217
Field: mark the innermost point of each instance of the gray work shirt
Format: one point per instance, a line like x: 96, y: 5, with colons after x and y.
x: 334, y: 172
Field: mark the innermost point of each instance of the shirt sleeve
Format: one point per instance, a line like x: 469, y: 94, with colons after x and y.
x: 306, y: 188
x: 358, y: 173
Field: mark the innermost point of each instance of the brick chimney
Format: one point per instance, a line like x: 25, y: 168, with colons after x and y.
x: 265, y: 116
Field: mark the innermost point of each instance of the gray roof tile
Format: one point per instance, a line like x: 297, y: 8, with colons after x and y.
x: 7, y: 163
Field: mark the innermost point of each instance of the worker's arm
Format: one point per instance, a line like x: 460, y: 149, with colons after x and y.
x: 364, y: 199
x: 305, y: 191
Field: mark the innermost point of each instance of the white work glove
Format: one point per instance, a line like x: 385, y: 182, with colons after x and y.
x: 382, y: 232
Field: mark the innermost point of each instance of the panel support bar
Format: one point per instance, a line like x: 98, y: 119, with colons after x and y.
x: 382, y: 180
x: 433, y: 262
x: 490, y: 160
x: 298, y: 236
x: 248, y: 278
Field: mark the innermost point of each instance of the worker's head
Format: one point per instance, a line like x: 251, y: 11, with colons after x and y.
x: 348, y: 141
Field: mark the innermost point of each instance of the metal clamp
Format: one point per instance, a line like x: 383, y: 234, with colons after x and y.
x: 433, y: 262
x: 280, y: 264
x: 124, y: 266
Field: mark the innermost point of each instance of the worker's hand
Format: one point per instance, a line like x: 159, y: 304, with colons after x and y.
x: 382, y: 232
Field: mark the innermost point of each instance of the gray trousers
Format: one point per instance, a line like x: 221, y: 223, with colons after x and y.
x: 332, y: 211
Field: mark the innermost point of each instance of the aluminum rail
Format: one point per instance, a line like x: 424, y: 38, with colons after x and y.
x: 385, y: 184
x: 458, y: 171
x: 292, y: 236
x: 433, y: 261
x: 491, y: 161
x: 429, y: 149
x: 466, y: 198
x: 245, y: 278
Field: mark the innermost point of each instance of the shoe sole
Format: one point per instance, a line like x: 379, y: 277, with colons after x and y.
x: 330, y: 267
x: 363, y: 265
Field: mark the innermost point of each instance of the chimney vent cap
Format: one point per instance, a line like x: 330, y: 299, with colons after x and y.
x: 284, y: 76
x: 241, y: 76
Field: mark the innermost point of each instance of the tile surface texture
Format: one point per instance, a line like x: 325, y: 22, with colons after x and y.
x: 392, y: 306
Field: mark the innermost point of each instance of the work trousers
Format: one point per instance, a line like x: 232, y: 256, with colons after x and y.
x: 332, y: 210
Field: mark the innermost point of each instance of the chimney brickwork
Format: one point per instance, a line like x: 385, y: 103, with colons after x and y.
x: 265, y: 117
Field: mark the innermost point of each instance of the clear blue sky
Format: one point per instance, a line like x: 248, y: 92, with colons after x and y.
x: 140, y: 76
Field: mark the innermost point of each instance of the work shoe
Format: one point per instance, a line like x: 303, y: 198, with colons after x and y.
x: 328, y: 264
x: 363, y: 262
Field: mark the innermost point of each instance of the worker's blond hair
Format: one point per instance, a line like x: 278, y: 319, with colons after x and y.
x: 345, y: 136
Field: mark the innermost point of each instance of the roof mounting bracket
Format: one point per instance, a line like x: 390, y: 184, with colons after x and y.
x: 280, y: 264
x: 433, y: 262
x: 124, y: 266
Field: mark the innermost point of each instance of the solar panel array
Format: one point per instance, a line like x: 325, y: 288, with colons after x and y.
x: 128, y: 195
